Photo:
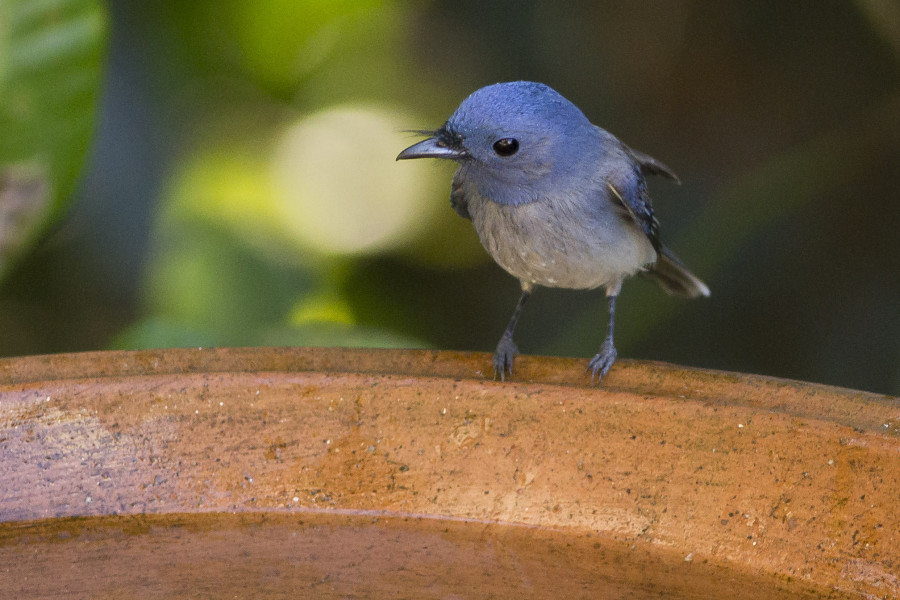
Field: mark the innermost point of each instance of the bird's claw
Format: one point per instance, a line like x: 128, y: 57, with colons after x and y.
x: 600, y: 364
x: 503, y: 357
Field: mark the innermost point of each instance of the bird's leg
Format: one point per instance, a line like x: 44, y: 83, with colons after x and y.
x: 600, y: 364
x: 506, y: 349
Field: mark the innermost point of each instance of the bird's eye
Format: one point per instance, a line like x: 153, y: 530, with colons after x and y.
x: 506, y: 146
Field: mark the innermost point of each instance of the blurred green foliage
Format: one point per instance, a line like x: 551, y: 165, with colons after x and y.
x: 244, y: 189
x: 50, y: 73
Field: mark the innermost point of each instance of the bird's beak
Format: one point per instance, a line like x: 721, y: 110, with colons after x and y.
x: 433, y: 147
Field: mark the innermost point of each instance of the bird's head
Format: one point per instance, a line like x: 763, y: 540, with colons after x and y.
x: 510, y: 137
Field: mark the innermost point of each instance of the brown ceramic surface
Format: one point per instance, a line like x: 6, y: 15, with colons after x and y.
x: 358, y: 473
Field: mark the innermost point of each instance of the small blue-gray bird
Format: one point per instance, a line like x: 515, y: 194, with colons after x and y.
x: 556, y: 201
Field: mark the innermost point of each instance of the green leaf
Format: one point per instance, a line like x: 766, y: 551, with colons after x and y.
x: 324, y: 334
x: 165, y: 332
x: 160, y: 332
x: 50, y: 71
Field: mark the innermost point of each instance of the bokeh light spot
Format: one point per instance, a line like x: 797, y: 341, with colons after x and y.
x: 343, y: 191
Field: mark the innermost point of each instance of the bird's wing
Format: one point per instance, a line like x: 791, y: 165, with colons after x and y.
x: 651, y: 166
x: 636, y: 202
x: 458, y: 198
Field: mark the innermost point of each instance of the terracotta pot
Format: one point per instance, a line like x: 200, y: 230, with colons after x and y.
x: 408, y: 474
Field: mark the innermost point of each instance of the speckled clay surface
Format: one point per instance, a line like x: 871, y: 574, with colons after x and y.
x: 363, y: 473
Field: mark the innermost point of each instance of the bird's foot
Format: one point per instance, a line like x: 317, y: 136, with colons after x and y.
x: 600, y: 364
x: 503, y: 357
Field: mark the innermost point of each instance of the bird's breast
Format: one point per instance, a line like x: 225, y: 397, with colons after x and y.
x: 561, y: 240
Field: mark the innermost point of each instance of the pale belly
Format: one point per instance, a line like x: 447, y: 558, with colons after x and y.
x: 543, y: 245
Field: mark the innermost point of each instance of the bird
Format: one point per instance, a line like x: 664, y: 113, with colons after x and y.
x: 556, y: 201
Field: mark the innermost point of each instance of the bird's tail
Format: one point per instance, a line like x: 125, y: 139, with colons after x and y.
x: 673, y: 277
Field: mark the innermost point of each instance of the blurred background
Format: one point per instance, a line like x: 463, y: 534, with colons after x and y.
x: 222, y: 173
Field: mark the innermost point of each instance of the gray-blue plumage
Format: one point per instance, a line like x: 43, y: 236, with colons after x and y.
x: 556, y: 201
